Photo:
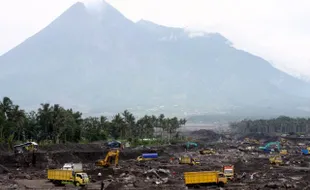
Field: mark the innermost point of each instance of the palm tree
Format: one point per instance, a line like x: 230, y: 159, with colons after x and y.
x: 161, y: 123
x: 45, y: 120
x: 118, y: 126
x: 18, y: 118
x: 6, y: 106
x: 2, y: 125
x: 130, y: 122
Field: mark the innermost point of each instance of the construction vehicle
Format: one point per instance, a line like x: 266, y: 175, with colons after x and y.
x: 306, y: 151
x: 229, y: 172
x: 207, y: 151
x: 114, y: 145
x: 271, y: 147
x: 188, y: 160
x: 283, y: 152
x: 196, y: 179
x: 276, y: 160
x: 189, y: 145
x: 112, y: 155
x: 147, y: 156
x: 25, y: 147
x: 283, y: 141
x: 250, y: 141
x: 25, y: 153
x: 69, y: 174
x: 72, y: 166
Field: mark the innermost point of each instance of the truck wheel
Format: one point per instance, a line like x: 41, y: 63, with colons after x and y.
x: 77, y: 184
x: 221, y: 184
x: 196, y: 187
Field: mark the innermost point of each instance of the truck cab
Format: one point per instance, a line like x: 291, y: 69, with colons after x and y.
x: 229, y: 172
x: 80, y: 179
x: 222, y: 179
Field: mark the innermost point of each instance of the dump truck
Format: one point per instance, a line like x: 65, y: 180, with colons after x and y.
x: 277, y: 160
x: 147, y: 156
x: 112, y: 156
x: 188, y: 160
x: 229, y: 172
x: 196, y: 179
x: 305, y: 151
x: 207, y: 151
x: 68, y: 175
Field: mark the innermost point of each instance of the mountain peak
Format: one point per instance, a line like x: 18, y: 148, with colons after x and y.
x: 104, y: 11
x: 102, y: 59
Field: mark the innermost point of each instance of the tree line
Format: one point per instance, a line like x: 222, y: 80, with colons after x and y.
x: 282, y: 124
x: 56, y: 124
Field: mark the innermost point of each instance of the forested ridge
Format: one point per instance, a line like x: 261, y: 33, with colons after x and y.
x: 56, y: 124
x: 282, y: 124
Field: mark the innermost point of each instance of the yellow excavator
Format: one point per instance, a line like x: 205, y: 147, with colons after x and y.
x: 112, y: 155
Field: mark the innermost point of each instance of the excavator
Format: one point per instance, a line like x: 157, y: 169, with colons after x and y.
x: 189, y: 145
x: 112, y: 155
x: 274, y: 147
x: 25, y: 153
x: 271, y: 147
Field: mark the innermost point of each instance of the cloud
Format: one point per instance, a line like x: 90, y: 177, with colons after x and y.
x: 276, y: 30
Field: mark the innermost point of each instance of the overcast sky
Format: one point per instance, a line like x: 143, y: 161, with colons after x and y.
x: 277, y: 30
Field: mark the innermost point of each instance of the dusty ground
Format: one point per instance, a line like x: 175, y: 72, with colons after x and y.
x: 252, y: 167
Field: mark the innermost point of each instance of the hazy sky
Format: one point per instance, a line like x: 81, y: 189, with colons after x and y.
x: 277, y: 30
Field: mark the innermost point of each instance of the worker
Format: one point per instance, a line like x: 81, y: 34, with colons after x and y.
x: 99, y: 176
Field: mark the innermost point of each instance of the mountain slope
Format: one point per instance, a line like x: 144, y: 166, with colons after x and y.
x: 105, y: 62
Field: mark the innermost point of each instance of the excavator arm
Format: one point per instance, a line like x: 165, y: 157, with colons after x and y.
x: 107, y: 161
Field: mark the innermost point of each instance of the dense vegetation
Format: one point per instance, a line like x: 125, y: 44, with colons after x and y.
x: 281, y: 124
x: 56, y: 124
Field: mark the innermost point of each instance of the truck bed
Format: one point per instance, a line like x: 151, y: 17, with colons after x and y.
x: 201, y: 177
x: 64, y: 175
